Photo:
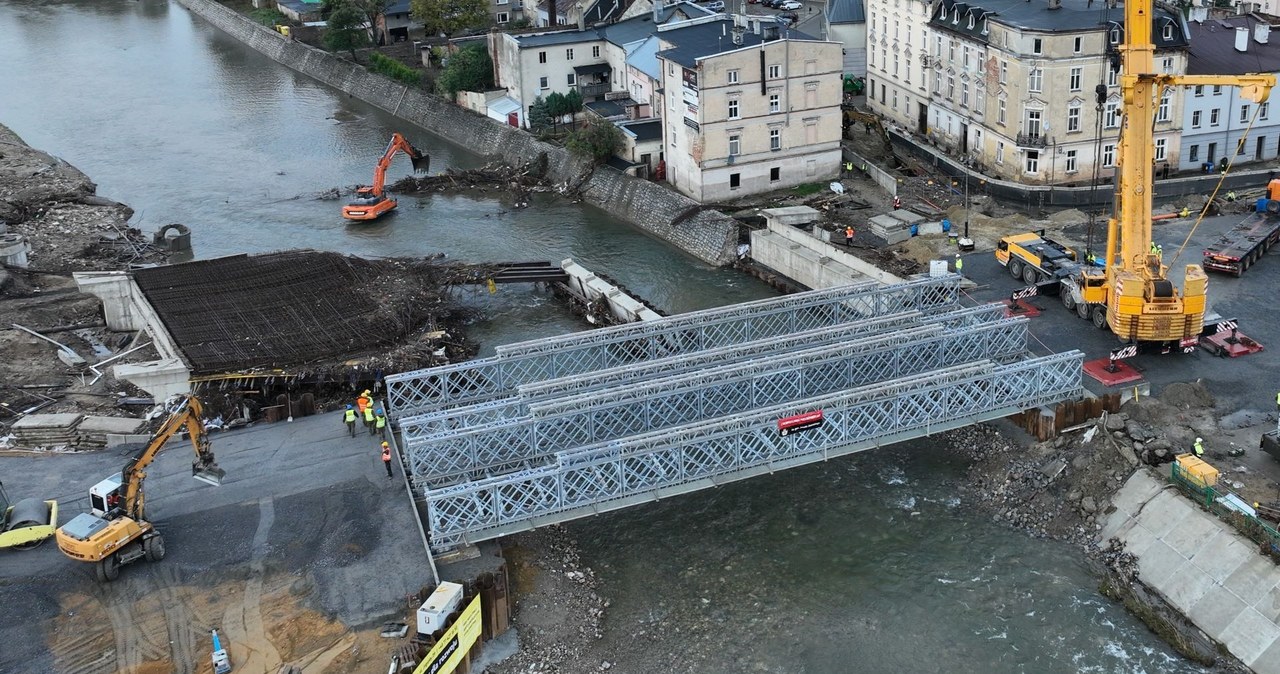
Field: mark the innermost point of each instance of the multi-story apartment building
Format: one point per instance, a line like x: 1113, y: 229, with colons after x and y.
x: 1215, y: 118
x: 746, y: 110
x: 897, y: 37
x: 1017, y: 91
x: 847, y: 24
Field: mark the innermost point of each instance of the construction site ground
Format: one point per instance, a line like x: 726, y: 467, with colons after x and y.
x: 297, y: 558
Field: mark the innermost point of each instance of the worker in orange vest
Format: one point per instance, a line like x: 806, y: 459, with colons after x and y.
x: 848, y: 235
x: 386, y: 458
x: 363, y: 401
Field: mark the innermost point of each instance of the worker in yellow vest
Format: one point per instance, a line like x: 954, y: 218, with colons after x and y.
x: 349, y: 418
x: 380, y: 423
x: 959, y: 264
x: 1199, y: 447
x: 368, y: 419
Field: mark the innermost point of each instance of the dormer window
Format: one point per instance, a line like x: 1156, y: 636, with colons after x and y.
x: 1168, y: 31
x: 971, y: 22
x: 955, y: 16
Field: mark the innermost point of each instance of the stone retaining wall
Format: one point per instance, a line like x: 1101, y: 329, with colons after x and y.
x: 710, y: 236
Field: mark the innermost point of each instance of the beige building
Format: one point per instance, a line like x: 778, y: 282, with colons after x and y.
x: 1016, y: 93
x: 747, y: 110
x: 897, y: 36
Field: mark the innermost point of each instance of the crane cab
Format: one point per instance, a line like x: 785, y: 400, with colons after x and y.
x: 368, y: 206
x: 103, y: 496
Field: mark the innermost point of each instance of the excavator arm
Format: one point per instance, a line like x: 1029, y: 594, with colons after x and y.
x: 398, y: 144
x: 186, y: 414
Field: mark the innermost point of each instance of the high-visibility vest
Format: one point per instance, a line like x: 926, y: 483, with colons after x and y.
x: 363, y: 402
x: 350, y: 416
x: 1199, y: 449
x: 368, y: 415
x: 382, y: 422
x: 959, y: 263
x: 848, y: 231
x: 386, y: 455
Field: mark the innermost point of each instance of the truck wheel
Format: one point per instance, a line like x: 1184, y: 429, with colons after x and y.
x: 108, y: 569
x: 1030, y: 275
x: 1015, y: 268
x: 153, y: 548
x: 1100, y: 317
x: 1068, y: 300
x: 1082, y: 310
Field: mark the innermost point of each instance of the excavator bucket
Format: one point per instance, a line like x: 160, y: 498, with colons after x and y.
x: 208, y: 472
x: 421, y: 162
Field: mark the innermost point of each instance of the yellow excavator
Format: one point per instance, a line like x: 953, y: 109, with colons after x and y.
x: 115, y: 531
x: 1131, y: 293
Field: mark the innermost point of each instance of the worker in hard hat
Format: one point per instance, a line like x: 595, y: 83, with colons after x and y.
x: 386, y: 458
x: 363, y: 401
x: 349, y: 418
x: 380, y: 423
x: 1199, y: 447
x: 959, y: 264
x: 369, y: 420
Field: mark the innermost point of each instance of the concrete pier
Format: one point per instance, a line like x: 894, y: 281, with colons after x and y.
x: 624, y: 307
x: 791, y: 246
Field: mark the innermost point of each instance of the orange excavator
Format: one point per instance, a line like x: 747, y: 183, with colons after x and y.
x: 370, y: 202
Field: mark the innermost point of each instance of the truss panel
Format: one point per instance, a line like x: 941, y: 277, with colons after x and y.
x: 568, y: 355
x: 625, y: 411
x: 674, y: 461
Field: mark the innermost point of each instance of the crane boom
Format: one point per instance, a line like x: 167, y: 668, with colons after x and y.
x: 187, y: 413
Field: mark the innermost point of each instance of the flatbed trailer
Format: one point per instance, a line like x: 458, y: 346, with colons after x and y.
x: 1243, y: 245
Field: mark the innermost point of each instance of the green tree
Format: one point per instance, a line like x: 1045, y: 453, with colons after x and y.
x: 470, y: 69
x: 446, y: 17
x: 599, y: 140
x: 346, y: 30
x: 572, y: 102
x: 539, y: 117
x: 557, y: 107
x: 371, y: 10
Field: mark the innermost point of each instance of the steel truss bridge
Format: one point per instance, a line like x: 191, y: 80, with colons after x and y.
x: 556, y: 429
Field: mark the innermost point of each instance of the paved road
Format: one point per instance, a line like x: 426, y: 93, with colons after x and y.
x: 300, y: 498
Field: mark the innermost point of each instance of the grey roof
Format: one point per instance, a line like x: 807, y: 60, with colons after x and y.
x: 643, y: 57
x: 1074, y: 15
x: 846, y: 11
x: 1213, y: 50
x: 398, y: 7
x: 702, y: 40
x: 624, y: 32
x: 605, y: 10
x: 650, y: 129
x: 605, y: 108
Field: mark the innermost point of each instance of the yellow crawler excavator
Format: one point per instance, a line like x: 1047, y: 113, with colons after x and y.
x: 116, y: 531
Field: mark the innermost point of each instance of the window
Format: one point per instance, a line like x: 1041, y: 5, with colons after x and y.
x: 1071, y: 158
x: 775, y: 174
x: 1037, y: 46
x: 1244, y: 113
x: 951, y: 87
x: 1263, y: 109
x: 1000, y: 152
x: 1073, y: 118
x: 1168, y: 32
x: 571, y: 79
x: 735, y: 145
x: 1162, y: 147
x: 595, y: 51
x: 1195, y: 119
x: 1112, y: 119
x: 1036, y: 82
x: 568, y: 54
x: 1078, y: 45
x: 951, y: 51
x: 964, y: 94
x: 775, y: 140
x: 1195, y: 153
x: 1168, y: 66
x: 733, y: 76
x: 1033, y: 123
x: 937, y: 47
x: 542, y: 83
x: 1199, y: 90
x: 1213, y: 117
x: 542, y: 57
x: 775, y: 71
x: 1075, y: 78
x: 895, y: 65
x: 1001, y: 112
x: 1033, y: 161
x: 1004, y: 72
x: 1212, y: 151
x: 1162, y: 113
x: 503, y: 17
x: 966, y: 57
x: 775, y: 103
x: 937, y: 84
x: 1109, y: 155
x: 735, y: 181
x: 1240, y: 147
x: 733, y: 108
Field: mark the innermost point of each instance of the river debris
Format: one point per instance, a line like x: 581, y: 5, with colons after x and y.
x: 519, y: 181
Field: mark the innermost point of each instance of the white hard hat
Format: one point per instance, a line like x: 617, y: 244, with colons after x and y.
x: 957, y: 254
x: 1199, y: 440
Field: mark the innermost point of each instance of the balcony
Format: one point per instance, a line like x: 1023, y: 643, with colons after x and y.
x: 1032, y: 140
x: 593, y: 90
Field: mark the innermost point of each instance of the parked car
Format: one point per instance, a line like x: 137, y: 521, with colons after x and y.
x: 771, y: 3
x: 717, y: 6
x: 789, y: 17
x: 791, y: 4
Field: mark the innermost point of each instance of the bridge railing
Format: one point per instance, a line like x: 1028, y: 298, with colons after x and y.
x: 678, y: 460
x: 536, y: 360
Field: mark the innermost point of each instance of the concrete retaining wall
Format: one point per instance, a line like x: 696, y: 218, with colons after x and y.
x: 710, y: 236
x: 1202, y: 567
x: 809, y: 259
x: 877, y: 174
x: 623, y: 306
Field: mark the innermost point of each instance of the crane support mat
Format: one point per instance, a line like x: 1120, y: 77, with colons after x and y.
x: 1229, y: 344
x: 1100, y: 371
x: 1020, y: 308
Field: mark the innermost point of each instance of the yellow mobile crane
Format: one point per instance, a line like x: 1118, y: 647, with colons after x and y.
x: 116, y: 532
x: 1132, y: 293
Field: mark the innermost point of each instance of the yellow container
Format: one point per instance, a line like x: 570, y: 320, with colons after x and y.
x: 1197, y: 470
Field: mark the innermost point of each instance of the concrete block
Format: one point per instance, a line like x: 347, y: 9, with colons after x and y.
x: 1158, y: 563
x: 927, y: 228
x: 896, y: 237
x: 887, y: 222
x: 117, y: 439
x: 1137, y: 538
x: 1137, y: 490
x: 1249, y: 636
x: 1189, y: 533
x: 1116, y: 525
x: 1166, y: 511
x: 1269, y: 661
x: 1186, y: 586
x: 908, y: 216
x: 42, y: 421
x: 790, y: 215
x: 104, y: 425
x: 1254, y: 580
x: 160, y: 378
x: 1221, y: 555
x: 1216, y: 610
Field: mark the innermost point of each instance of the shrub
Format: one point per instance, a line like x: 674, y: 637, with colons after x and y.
x: 385, y: 65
